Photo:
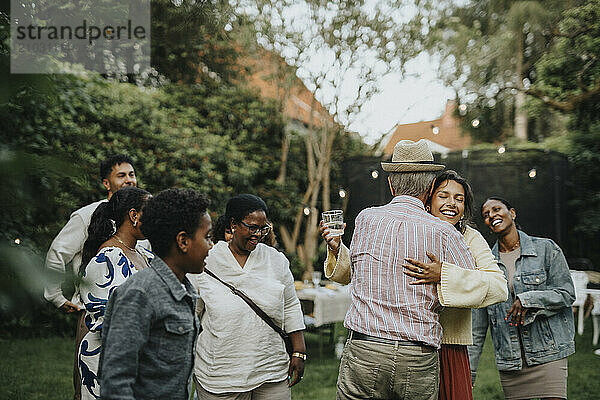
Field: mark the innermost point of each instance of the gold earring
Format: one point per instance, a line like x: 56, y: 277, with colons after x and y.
x: 428, y: 208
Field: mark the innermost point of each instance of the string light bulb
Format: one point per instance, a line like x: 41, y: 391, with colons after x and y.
x: 532, y: 173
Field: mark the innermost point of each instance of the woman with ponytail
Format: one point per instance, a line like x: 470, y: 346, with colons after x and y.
x: 110, y: 256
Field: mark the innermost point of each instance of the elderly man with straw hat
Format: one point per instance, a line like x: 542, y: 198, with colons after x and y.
x: 394, y: 329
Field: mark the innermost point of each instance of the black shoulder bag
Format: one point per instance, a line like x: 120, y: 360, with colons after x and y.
x: 263, y: 315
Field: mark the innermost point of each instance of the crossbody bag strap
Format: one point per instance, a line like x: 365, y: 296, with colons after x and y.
x: 263, y: 315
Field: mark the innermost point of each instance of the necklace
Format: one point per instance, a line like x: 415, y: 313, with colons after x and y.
x: 514, y: 247
x: 123, y: 243
x: 134, y: 250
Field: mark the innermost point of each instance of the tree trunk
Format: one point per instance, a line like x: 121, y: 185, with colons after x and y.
x: 327, y: 168
x: 311, y: 237
x: 520, y: 97
x: 318, y: 160
x: 285, y: 148
x: 520, y: 116
x: 309, y: 247
x: 314, y: 180
x: 284, y: 88
x: 290, y: 240
x: 326, y: 187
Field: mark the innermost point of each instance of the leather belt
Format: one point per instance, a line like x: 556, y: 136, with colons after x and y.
x: 362, y: 336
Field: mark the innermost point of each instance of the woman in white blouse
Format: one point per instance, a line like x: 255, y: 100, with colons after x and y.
x: 239, y: 356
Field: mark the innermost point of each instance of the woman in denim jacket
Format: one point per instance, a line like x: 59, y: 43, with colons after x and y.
x: 533, y: 330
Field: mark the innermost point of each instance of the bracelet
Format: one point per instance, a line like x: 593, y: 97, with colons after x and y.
x: 299, y: 355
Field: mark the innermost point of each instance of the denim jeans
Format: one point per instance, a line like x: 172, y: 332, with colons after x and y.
x: 370, y: 370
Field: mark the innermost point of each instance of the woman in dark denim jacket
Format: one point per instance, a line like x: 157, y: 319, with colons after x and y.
x: 533, y: 330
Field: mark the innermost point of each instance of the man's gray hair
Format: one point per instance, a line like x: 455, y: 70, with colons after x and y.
x: 412, y: 184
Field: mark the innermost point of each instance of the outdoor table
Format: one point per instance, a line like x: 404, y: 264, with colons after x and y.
x: 330, y: 305
x: 595, y: 294
x: 325, y: 307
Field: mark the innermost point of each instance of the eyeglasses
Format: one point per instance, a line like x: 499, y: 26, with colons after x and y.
x: 256, y: 230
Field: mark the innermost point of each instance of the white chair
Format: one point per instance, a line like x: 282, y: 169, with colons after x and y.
x: 595, y: 294
x: 580, y: 281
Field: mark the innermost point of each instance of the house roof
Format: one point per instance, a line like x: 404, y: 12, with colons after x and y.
x: 444, y: 133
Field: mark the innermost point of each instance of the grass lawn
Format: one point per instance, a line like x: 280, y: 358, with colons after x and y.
x: 41, y: 369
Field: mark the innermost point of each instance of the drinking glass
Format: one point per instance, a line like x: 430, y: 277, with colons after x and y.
x: 334, y: 220
x: 316, y: 278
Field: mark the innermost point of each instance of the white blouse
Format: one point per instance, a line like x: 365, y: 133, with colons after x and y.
x: 236, y: 350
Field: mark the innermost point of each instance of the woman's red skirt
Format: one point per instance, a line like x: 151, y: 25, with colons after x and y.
x: 455, y: 373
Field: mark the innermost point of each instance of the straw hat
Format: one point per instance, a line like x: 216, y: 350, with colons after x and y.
x: 411, y: 156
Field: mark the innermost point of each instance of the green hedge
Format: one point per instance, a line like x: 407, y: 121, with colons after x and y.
x: 221, y: 140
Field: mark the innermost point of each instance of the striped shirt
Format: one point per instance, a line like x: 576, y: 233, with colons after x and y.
x: 383, y: 303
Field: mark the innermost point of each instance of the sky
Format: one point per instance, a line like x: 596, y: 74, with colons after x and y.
x: 418, y: 96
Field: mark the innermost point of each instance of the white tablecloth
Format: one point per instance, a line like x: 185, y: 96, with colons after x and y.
x: 329, y: 305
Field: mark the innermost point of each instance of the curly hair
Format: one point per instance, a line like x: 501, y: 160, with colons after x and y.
x: 170, y: 212
x: 108, y: 217
x: 107, y: 165
x: 450, y: 175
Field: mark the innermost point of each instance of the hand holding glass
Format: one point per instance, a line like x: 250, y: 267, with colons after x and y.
x: 334, y: 221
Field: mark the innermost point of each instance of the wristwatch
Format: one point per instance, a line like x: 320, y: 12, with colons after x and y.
x: 299, y: 355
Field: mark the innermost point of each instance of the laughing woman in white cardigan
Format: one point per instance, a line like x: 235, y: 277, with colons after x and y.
x: 239, y: 356
x: 459, y: 289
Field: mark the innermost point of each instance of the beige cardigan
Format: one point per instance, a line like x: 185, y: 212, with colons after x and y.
x: 459, y: 289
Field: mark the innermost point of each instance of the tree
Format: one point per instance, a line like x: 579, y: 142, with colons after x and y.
x: 339, y: 49
x: 277, y: 81
x: 569, y: 81
x: 489, y: 50
x: 189, y: 41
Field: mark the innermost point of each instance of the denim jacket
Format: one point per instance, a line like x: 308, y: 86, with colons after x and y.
x: 543, y: 283
x: 148, y: 337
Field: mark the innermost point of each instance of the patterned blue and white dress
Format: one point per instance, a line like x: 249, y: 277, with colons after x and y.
x: 107, y: 270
